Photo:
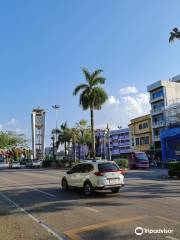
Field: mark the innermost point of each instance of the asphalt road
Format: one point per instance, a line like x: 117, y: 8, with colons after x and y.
x: 33, y: 206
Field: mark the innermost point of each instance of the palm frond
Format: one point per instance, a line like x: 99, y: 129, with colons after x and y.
x: 175, y: 34
x: 98, y: 97
x: 79, y: 88
x: 84, y: 100
x: 86, y: 74
x: 172, y: 37
x: 99, y: 80
x: 63, y: 126
x: 96, y: 73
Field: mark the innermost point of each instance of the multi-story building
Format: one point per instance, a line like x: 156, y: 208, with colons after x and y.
x: 115, y: 141
x: 170, y: 136
x: 120, y: 142
x: 141, y: 133
x: 162, y: 94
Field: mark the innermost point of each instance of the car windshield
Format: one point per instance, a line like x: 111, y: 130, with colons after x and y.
x: 141, y: 156
x: 108, y: 167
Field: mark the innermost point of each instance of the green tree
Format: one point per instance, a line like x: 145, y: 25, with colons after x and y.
x: 92, y: 97
x: 11, y: 140
x: 75, y: 138
x: 65, y: 136
x: 175, y: 34
x: 84, y: 137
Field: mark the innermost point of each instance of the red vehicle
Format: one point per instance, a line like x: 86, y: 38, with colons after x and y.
x: 138, y: 160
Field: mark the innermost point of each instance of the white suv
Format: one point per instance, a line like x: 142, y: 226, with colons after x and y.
x: 94, y: 175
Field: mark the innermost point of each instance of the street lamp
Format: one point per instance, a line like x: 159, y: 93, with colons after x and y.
x: 56, y: 108
x: 109, y: 147
x: 53, y: 146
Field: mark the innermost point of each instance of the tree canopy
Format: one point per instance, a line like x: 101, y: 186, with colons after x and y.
x: 11, y: 140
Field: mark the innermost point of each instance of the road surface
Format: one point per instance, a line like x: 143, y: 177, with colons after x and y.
x: 33, y: 206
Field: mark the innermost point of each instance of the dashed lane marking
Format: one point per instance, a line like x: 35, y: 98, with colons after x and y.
x: 92, y: 209
x: 38, y: 190
x: 30, y: 187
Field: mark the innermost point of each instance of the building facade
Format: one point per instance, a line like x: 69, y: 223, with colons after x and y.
x: 170, y: 136
x: 117, y: 142
x: 38, y: 133
x: 141, y: 133
x: 162, y: 95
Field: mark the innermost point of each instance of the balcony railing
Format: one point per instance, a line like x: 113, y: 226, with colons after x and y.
x: 113, y: 152
x: 158, y: 124
x: 156, y: 138
x: 156, y: 99
x: 157, y: 111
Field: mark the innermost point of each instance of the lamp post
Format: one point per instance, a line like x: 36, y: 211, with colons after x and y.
x: 109, y: 147
x: 53, y: 138
x: 56, y: 108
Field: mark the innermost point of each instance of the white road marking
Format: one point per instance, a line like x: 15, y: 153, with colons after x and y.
x: 172, y: 238
x: 36, y: 189
x: 30, y: 187
x: 6, y: 179
x: 40, y: 175
x: 174, y: 198
x: 92, y: 209
x: 45, y: 226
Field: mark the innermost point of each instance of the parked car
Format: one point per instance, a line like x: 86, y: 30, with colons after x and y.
x: 34, y: 164
x: 14, y: 164
x: 94, y: 175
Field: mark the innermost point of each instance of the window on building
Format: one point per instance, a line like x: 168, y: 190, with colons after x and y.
x: 157, y: 94
x: 145, y: 125
x: 137, y: 141
x: 146, y: 140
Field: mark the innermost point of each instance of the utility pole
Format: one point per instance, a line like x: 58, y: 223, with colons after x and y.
x: 56, y: 109
x: 53, y: 147
x: 109, y: 147
x: 104, y: 143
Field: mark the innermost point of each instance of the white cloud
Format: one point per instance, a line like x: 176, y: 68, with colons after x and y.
x: 138, y: 104
x: 119, y: 111
x: 113, y: 100
x: 128, y: 90
x: 11, y: 122
x: 1, y: 127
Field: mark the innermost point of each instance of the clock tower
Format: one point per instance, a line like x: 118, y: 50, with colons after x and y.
x: 38, y: 132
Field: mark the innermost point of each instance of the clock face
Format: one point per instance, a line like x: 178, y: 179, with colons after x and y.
x: 38, y: 120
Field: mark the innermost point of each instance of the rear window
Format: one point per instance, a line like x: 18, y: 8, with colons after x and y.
x: 108, y: 167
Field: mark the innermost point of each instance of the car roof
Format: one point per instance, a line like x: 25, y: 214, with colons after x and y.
x: 95, y: 162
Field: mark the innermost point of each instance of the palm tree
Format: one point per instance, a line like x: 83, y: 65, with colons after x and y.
x: 175, y: 34
x: 64, y: 136
x: 83, y: 134
x: 92, y: 96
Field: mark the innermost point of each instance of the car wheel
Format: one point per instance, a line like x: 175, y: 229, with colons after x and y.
x: 64, y: 184
x: 87, y: 189
x: 115, y: 189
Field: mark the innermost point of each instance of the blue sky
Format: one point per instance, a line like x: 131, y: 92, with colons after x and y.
x: 44, y: 44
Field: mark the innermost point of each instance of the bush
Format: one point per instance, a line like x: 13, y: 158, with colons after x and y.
x: 174, y: 169
x: 47, y: 162
x: 123, y: 163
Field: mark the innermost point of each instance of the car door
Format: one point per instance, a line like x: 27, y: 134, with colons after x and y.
x: 85, y: 170
x: 73, y: 175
